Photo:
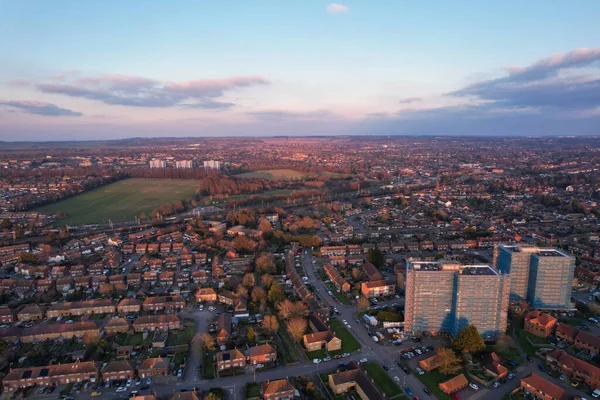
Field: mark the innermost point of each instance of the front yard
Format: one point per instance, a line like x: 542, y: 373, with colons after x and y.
x: 382, y: 379
x: 349, y: 342
x: 431, y: 381
x: 178, y: 338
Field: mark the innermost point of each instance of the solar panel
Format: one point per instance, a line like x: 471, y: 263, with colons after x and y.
x: 226, y: 357
x: 44, y: 372
x: 26, y: 374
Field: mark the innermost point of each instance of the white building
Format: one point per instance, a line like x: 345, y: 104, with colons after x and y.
x: 184, y: 164
x: 212, y: 164
x: 158, y: 164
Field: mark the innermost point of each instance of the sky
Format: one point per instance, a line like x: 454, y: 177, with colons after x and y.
x: 80, y: 70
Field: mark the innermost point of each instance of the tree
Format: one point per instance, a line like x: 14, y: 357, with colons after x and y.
x: 288, y: 309
x: 270, y: 323
x: 469, y: 340
x: 265, y: 226
x: 363, y: 304
x: 388, y: 316
x: 296, y: 327
x: 251, y: 335
x: 241, y: 291
x: 6, y: 224
x: 205, y: 341
x: 276, y: 293
x: 448, y: 360
x: 249, y: 281
x: 213, y: 396
x: 266, y: 280
x: 258, y: 294
x: 264, y: 264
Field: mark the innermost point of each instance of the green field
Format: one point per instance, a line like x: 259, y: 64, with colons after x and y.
x: 274, y: 174
x: 121, y: 201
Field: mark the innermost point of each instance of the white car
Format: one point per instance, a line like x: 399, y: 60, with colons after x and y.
x: 327, y: 359
x: 128, y: 382
x: 420, y: 371
x: 396, y: 379
x: 316, y: 360
x: 363, y: 360
x: 418, y: 351
x: 121, y: 389
x: 349, y: 326
x: 473, y: 386
x: 346, y: 355
x: 345, y: 322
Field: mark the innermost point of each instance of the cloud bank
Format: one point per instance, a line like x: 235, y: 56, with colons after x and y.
x: 40, y: 108
x: 137, y: 91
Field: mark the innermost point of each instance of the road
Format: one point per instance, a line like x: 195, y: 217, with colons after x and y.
x: 385, y: 355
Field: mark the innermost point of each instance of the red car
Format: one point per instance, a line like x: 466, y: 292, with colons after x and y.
x: 455, y: 396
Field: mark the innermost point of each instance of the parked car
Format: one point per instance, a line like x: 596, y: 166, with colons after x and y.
x: 346, y: 355
x: 316, y: 360
x: 327, y: 359
x: 427, y: 391
x: 407, y: 390
x: 496, y: 384
x: 420, y: 371
x: 511, y: 376
x: 473, y: 386
x: 363, y: 360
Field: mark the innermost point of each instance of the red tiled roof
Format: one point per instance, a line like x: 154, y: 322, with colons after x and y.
x: 541, y: 385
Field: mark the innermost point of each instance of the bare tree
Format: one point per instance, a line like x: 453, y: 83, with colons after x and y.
x: 249, y: 281
x: 363, y: 304
x: 270, y: 323
x: 296, y: 327
x: 204, y: 341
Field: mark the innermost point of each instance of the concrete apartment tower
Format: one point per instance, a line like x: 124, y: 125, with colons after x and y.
x: 542, y: 276
x: 444, y: 297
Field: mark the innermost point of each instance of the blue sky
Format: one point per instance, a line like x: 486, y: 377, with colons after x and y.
x: 112, y: 69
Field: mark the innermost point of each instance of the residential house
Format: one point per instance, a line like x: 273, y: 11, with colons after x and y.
x: 6, y: 315
x: 355, y: 378
x: 116, y: 325
x: 39, y: 333
x: 320, y: 340
x: 542, y: 389
x: 152, y: 367
x: 378, y: 288
x: 223, y: 328
x: 206, y: 295
x: 118, y: 370
x: 575, y: 368
x: 339, y: 282
x: 30, y: 313
x: 261, y: 354
x: 50, y: 375
x: 492, y: 365
x: 226, y: 297
x: 372, y: 272
x: 230, y: 359
x: 200, y: 278
x: 126, y: 306
x: 156, y: 323
x: 539, y: 323
x: 454, y: 385
x: 166, y: 303
x: 67, y: 309
x: 280, y: 389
